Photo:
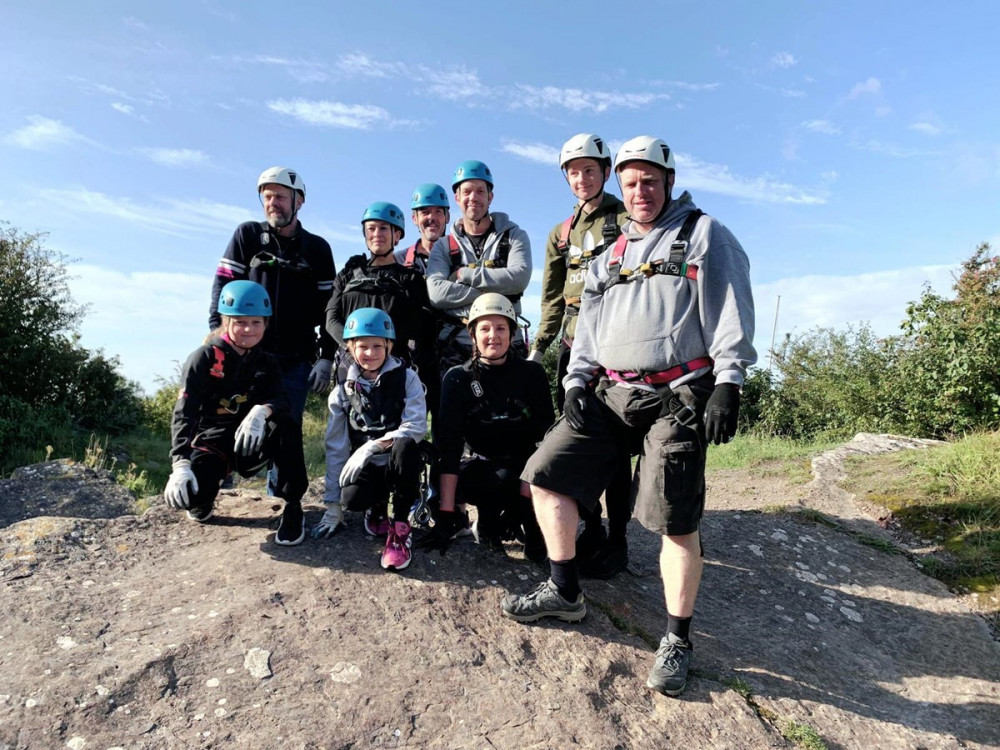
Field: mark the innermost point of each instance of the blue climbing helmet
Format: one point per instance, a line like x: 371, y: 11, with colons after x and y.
x: 390, y: 213
x: 429, y: 194
x: 369, y: 321
x: 471, y: 170
x: 244, y: 298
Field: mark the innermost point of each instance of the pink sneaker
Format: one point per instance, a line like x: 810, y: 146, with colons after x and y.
x: 397, y: 553
x: 376, y: 525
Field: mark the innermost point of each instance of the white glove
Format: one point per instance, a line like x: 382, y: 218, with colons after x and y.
x: 319, y: 378
x: 535, y: 356
x: 181, y: 485
x: 358, y: 460
x: 330, y: 523
x: 250, y: 433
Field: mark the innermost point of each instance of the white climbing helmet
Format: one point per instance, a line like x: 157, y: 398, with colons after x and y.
x: 645, y: 148
x: 585, y: 146
x: 281, y: 176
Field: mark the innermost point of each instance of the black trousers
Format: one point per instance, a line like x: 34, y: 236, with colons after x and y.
x: 400, y: 478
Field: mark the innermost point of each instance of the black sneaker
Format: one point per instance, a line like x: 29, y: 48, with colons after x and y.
x: 201, y: 515
x: 544, y: 601
x: 606, y: 563
x: 291, y: 530
x: 670, y: 669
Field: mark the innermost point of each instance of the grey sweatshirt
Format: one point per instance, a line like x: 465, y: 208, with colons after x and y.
x: 651, y: 324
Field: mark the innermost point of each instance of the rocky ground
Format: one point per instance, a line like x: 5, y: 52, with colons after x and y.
x: 153, y: 632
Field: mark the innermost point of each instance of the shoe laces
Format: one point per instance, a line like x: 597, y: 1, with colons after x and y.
x: 670, y: 652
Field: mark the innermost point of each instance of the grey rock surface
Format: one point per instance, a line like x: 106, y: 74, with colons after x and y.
x: 136, y: 632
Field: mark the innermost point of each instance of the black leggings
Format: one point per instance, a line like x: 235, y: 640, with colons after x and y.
x: 213, y: 458
x: 400, y: 477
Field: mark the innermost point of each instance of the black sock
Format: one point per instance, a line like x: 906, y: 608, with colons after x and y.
x: 679, y: 626
x: 565, y: 578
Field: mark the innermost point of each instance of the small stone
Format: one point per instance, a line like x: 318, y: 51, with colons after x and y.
x: 76, y: 743
x: 212, y: 682
x: 344, y: 672
x: 851, y: 614
x: 257, y: 663
x: 199, y: 717
x: 220, y: 712
x: 65, y: 642
x: 811, y: 617
x: 755, y: 548
x: 101, y: 690
x: 30, y: 703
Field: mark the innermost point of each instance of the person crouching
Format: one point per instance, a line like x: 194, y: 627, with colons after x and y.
x: 232, y: 414
x: 378, y: 416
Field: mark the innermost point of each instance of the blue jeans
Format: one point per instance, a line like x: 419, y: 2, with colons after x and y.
x: 295, y: 376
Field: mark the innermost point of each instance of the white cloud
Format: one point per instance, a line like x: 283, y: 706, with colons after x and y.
x: 125, y: 109
x: 304, y: 71
x: 877, y: 298
x: 43, y: 133
x: 579, y: 100
x: 169, y: 216
x: 926, y: 128
x: 821, y: 126
x: 715, y: 178
x: 176, y: 157
x: 113, y: 320
x: 784, y: 60
x: 537, y: 152
x: 334, y: 114
x: 356, y: 63
x: 891, y: 149
x: 873, y: 86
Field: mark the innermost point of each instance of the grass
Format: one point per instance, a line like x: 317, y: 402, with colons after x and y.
x: 754, y: 451
x: 948, y: 495
x: 802, y: 735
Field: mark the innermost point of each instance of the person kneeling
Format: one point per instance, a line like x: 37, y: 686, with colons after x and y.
x: 498, y: 406
x: 232, y: 414
x: 378, y: 416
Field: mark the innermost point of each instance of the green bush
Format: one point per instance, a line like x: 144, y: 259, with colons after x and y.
x: 53, y: 390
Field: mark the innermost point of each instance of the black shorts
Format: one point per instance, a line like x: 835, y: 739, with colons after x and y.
x: 617, y: 420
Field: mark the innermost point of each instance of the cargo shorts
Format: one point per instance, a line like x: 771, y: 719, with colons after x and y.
x: 623, y: 420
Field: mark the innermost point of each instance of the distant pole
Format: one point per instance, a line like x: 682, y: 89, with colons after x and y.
x: 774, y: 331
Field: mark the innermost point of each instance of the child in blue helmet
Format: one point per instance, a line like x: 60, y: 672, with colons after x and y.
x: 232, y: 414
x: 378, y: 417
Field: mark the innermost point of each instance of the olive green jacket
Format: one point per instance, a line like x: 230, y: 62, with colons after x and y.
x: 565, y: 270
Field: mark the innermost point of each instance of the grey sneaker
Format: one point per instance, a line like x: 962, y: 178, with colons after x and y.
x: 670, y: 669
x: 544, y: 601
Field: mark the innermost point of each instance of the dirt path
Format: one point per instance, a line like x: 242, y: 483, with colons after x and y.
x: 157, y: 633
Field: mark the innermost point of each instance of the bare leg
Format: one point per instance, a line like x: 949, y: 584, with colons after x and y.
x: 558, y: 516
x: 680, y: 566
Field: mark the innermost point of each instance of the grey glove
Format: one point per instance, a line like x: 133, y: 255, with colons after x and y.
x: 331, y: 522
x: 535, y: 356
x: 319, y: 377
x: 250, y: 433
x: 358, y: 460
x: 181, y: 486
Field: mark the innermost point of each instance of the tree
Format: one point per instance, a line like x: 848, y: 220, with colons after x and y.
x: 951, y: 367
x: 50, y: 386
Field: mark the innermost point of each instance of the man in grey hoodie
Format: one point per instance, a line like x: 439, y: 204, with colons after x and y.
x: 663, y: 342
x: 485, y: 252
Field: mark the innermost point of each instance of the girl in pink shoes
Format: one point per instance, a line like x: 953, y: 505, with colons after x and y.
x: 378, y: 417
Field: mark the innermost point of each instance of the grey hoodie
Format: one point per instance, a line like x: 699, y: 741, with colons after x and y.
x: 456, y: 296
x: 651, y: 324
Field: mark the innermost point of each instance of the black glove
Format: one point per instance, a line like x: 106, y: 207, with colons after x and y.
x: 576, y: 402
x: 721, y: 413
x: 447, y: 523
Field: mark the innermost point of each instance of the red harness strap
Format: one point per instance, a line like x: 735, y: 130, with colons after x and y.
x: 220, y: 358
x: 665, y: 376
x: 564, y: 239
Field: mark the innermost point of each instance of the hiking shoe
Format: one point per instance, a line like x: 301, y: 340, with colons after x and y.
x: 376, y: 525
x: 606, y: 563
x: 201, y: 515
x: 397, y: 553
x: 291, y: 530
x: 544, y: 601
x: 590, y: 541
x: 670, y: 669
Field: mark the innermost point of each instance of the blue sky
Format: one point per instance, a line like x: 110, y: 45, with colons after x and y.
x: 853, y: 148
